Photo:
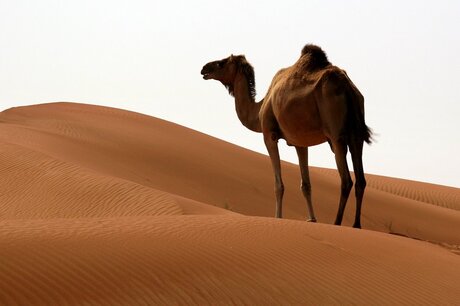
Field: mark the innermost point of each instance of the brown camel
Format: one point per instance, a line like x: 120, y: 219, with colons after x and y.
x: 308, y: 103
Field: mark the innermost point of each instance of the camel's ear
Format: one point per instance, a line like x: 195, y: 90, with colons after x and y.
x: 230, y: 59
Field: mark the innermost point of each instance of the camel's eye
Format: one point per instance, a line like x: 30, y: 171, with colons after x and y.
x: 221, y: 63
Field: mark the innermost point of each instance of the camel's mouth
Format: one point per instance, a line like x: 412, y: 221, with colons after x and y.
x: 207, y: 71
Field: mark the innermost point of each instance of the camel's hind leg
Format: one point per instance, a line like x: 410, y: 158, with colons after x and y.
x: 340, y: 151
x: 356, y: 150
x: 305, y: 185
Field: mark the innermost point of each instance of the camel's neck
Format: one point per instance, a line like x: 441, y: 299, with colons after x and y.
x: 246, y: 108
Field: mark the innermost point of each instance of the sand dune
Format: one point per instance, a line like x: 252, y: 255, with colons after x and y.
x: 217, y: 260
x: 444, y: 196
x: 101, y: 206
x: 68, y: 191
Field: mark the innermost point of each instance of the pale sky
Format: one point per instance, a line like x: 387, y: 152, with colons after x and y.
x: 146, y: 56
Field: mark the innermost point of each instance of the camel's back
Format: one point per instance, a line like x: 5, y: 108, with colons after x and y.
x: 300, y: 82
x: 296, y: 84
x: 300, y: 79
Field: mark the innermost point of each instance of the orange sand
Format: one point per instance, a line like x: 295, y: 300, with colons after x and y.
x: 105, y: 206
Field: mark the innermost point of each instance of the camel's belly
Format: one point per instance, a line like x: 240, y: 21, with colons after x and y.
x: 304, y: 139
x: 302, y: 129
x: 298, y: 118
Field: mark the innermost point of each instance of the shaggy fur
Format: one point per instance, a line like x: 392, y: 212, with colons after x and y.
x: 248, y: 71
x: 313, y: 57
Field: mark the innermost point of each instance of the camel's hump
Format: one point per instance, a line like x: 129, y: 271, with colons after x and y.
x: 317, y: 57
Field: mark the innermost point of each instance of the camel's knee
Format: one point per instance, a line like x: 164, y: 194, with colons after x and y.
x: 279, y: 189
x: 360, y: 185
x: 305, y: 187
x: 346, y: 186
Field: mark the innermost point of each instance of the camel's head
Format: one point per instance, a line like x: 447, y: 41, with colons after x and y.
x: 223, y: 70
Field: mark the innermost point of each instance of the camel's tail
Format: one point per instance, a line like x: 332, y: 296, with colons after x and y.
x: 357, y: 122
x: 367, y: 134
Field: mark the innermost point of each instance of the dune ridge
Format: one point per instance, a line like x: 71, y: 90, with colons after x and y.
x: 69, y: 191
x: 101, y: 206
x: 444, y: 196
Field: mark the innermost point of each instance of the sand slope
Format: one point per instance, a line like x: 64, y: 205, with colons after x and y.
x: 217, y: 260
x: 105, y: 206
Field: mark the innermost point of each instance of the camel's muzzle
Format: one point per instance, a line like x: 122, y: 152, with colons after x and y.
x: 207, y: 71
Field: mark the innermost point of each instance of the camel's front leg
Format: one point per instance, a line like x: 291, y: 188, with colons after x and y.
x: 272, y: 147
x: 305, y: 185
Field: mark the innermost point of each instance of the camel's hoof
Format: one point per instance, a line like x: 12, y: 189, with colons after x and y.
x: 311, y: 220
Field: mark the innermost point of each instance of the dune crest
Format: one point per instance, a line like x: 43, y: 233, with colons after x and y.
x: 106, y: 206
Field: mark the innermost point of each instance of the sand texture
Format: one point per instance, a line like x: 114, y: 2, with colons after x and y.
x: 100, y: 206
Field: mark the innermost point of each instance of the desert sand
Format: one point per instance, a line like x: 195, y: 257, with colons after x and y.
x: 100, y: 206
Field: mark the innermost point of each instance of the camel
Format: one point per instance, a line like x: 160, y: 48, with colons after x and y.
x: 307, y: 104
